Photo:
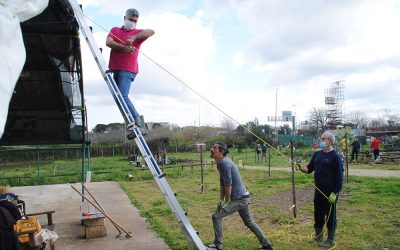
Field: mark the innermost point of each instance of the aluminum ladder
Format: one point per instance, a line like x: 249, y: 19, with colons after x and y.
x: 190, y: 233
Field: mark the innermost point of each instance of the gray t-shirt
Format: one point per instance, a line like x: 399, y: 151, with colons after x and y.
x: 229, y: 176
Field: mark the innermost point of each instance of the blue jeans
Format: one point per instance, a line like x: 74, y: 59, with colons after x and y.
x: 124, y: 80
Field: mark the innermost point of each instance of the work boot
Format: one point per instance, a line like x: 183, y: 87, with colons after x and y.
x: 139, y: 121
x: 330, y: 242
x: 131, y: 135
x: 267, y: 247
x: 214, y: 247
x: 319, y: 235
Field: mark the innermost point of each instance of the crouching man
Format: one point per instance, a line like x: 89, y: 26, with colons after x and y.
x: 234, y: 197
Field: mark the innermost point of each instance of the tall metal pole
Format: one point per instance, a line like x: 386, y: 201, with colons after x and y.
x: 202, y: 168
x: 38, y: 163
x: 293, y: 184
x: 269, y: 161
x: 347, y: 157
x: 199, y: 115
x: 83, y: 166
x: 276, y: 111
x: 294, y: 125
x: 89, y: 166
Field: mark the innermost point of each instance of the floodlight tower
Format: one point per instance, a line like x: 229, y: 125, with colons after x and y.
x: 334, y: 100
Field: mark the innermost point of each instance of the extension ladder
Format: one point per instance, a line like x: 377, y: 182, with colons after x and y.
x: 188, y: 230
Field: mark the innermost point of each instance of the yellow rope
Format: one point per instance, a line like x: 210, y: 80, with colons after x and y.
x: 208, y: 101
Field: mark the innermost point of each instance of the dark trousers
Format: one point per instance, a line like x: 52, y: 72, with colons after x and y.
x: 321, y: 211
x: 376, y: 153
x: 354, y: 153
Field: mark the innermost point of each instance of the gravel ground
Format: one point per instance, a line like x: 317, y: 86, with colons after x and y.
x: 352, y: 171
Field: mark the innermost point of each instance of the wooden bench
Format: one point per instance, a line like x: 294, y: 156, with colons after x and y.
x: 393, y: 156
x: 48, y: 213
x: 364, y: 157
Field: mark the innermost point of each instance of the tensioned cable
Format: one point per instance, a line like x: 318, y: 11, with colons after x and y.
x: 204, y: 98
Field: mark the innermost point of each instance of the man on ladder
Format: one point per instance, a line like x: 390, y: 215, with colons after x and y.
x: 125, y: 43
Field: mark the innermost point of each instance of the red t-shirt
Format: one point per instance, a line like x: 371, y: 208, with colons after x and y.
x: 375, y: 144
x: 122, y: 60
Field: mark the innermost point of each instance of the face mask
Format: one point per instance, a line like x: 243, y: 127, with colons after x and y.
x: 129, y: 25
x: 323, y: 144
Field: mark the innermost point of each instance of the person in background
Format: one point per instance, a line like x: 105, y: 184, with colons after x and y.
x: 258, y: 151
x: 314, y: 145
x: 375, y: 144
x: 234, y: 197
x: 138, y: 161
x: 327, y: 166
x: 264, y: 152
x: 345, y: 143
x: 355, y: 149
x: 125, y: 43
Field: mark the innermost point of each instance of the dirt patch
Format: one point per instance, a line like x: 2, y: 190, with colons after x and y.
x: 284, y: 200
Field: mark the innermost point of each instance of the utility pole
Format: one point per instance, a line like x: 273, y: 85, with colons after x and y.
x: 294, y: 207
x: 294, y: 125
x: 346, y: 136
x: 292, y: 163
x: 276, y: 111
x: 269, y: 161
x: 201, y: 148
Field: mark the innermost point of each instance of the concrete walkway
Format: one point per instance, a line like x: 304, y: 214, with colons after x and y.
x: 352, y: 171
x: 66, y: 202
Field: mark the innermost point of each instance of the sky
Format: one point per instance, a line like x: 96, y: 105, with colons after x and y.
x: 250, y: 58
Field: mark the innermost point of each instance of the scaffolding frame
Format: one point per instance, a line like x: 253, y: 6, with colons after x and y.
x: 334, y: 105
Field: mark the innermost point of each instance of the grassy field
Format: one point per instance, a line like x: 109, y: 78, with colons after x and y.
x: 116, y: 168
x: 368, y: 208
x: 64, y: 171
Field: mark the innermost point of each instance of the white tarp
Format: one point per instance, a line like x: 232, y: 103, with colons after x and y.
x: 12, y: 50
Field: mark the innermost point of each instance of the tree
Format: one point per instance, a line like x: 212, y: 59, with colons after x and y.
x: 228, y: 124
x: 358, y: 119
x: 318, y: 118
x: 240, y: 130
x: 99, y: 128
x: 256, y: 122
x: 266, y: 129
x: 263, y: 133
x: 376, y: 123
x: 391, y: 117
x: 229, y: 127
x: 115, y: 126
x: 251, y: 125
x: 284, y: 130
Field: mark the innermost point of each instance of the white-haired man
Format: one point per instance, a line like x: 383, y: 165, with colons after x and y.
x: 327, y: 166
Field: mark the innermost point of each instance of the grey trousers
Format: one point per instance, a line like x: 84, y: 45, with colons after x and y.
x: 243, y: 207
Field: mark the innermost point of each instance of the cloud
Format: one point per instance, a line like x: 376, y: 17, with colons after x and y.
x: 238, y: 60
x: 181, y: 46
x: 237, y: 53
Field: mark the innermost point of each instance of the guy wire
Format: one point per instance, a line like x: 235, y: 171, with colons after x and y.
x: 205, y: 99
